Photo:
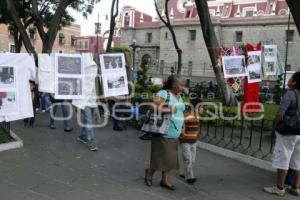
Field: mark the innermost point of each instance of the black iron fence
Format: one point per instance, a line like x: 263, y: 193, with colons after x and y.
x: 254, y: 138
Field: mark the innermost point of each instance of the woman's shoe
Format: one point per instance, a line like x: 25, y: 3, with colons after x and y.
x: 148, y: 181
x: 169, y: 187
x: 191, y: 181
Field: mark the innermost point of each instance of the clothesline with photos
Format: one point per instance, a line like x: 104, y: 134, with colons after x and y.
x: 251, y: 62
x: 64, y: 76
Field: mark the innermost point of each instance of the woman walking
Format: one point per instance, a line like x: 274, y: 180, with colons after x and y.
x: 164, y: 155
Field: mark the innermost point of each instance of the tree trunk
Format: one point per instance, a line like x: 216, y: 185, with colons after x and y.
x: 113, y: 15
x: 212, y: 45
x: 22, y: 30
x: 168, y: 24
x: 295, y: 10
x: 18, y: 41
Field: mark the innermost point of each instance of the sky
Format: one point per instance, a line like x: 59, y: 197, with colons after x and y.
x: 103, y: 9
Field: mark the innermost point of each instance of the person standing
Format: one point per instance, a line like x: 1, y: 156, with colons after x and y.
x: 188, y: 141
x: 164, y: 151
x: 88, y: 105
x: 287, y: 148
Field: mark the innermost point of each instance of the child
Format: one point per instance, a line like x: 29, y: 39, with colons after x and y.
x: 188, y: 142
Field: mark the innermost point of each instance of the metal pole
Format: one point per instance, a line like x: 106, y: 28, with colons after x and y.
x: 133, y: 64
x: 286, y: 54
x: 97, y: 31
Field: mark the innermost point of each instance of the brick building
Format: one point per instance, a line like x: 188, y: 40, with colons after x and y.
x: 90, y: 44
x: 235, y: 21
x: 65, y: 41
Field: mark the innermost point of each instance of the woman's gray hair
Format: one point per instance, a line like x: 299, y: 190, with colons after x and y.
x: 173, y: 80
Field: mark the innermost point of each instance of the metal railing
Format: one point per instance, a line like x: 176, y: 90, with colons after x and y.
x: 254, y: 138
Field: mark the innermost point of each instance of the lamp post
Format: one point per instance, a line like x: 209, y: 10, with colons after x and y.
x: 134, y: 47
x: 286, y: 54
x: 97, y: 32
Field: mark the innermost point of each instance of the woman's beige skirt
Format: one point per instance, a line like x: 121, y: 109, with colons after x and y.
x: 164, y: 155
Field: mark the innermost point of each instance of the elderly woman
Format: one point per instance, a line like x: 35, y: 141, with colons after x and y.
x: 164, y: 156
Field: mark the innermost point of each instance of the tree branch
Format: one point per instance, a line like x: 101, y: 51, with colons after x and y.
x: 38, y: 20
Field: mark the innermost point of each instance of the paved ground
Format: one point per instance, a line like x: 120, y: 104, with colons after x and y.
x: 52, y: 165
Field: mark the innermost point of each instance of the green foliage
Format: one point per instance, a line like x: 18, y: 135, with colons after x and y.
x: 278, y: 90
x: 4, y: 137
x: 142, y: 74
x: 154, y: 88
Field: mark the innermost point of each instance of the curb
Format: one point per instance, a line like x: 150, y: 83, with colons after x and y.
x: 18, y: 143
x: 255, y: 162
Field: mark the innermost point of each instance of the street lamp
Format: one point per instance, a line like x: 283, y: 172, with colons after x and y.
x: 98, y: 31
x: 134, y: 47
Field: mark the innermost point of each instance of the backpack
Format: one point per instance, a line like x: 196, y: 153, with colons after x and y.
x: 290, y: 125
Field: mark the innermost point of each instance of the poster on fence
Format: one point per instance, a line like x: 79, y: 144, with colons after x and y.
x: 68, y: 76
x: 114, y: 74
x: 234, y: 66
x: 254, y: 67
x: 8, y: 89
x: 270, y: 58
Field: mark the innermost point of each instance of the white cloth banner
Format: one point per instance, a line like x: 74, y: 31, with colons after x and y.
x: 16, y: 70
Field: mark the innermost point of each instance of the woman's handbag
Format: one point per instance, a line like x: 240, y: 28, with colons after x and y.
x: 290, y: 125
x: 157, y: 123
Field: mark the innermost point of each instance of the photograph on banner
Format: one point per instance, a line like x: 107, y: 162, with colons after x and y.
x: 234, y: 66
x: 69, y: 64
x: 115, y: 84
x: 69, y: 88
x: 8, y: 103
x: 289, y: 75
x: 111, y: 63
x: 69, y: 76
x: 7, y: 77
x: 270, y: 68
x: 254, y: 67
x: 270, y: 53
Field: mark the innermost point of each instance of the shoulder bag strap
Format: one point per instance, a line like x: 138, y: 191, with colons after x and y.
x: 297, y: 100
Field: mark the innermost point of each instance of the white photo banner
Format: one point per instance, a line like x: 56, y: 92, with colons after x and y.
x: 270, y: 58
x: 234, y: 66
x: 8, y: 91
x: 69, y: 80
x: 254, y: 67
x: 114, y: 74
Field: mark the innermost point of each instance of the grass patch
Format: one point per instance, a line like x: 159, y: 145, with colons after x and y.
x: 4, y: 137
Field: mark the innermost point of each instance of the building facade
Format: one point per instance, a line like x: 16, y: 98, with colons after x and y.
x: 94, y: 44
x: 236, y: 22
x: 65, y: 42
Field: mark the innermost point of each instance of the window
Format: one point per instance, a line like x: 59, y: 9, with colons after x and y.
x: 290, y: 35
x: 248, y: 12
x: 188, y: 13
x: 166, y: 35
x: 239, y: 36
x: 193, y: 35
x: 12, y: 48
x: 149, y: 37
x: 288, y: 67
x: 86, y: 44
x: 61, y: 38
x: 73, y: 40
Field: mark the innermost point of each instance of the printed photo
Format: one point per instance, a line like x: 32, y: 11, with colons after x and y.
x: 116, y: 82
x: 270, y: 68
x: 254, y: 67
x: 112, y: 62
x: 7, y: 76
x: 8, y: 103
x: 234, y: 66
x: 115, y: 85
x: 270, y: 53
x: 69, y: 65
x: 69, y: 87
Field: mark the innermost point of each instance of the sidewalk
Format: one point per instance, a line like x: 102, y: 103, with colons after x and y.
x: 52, y: 165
